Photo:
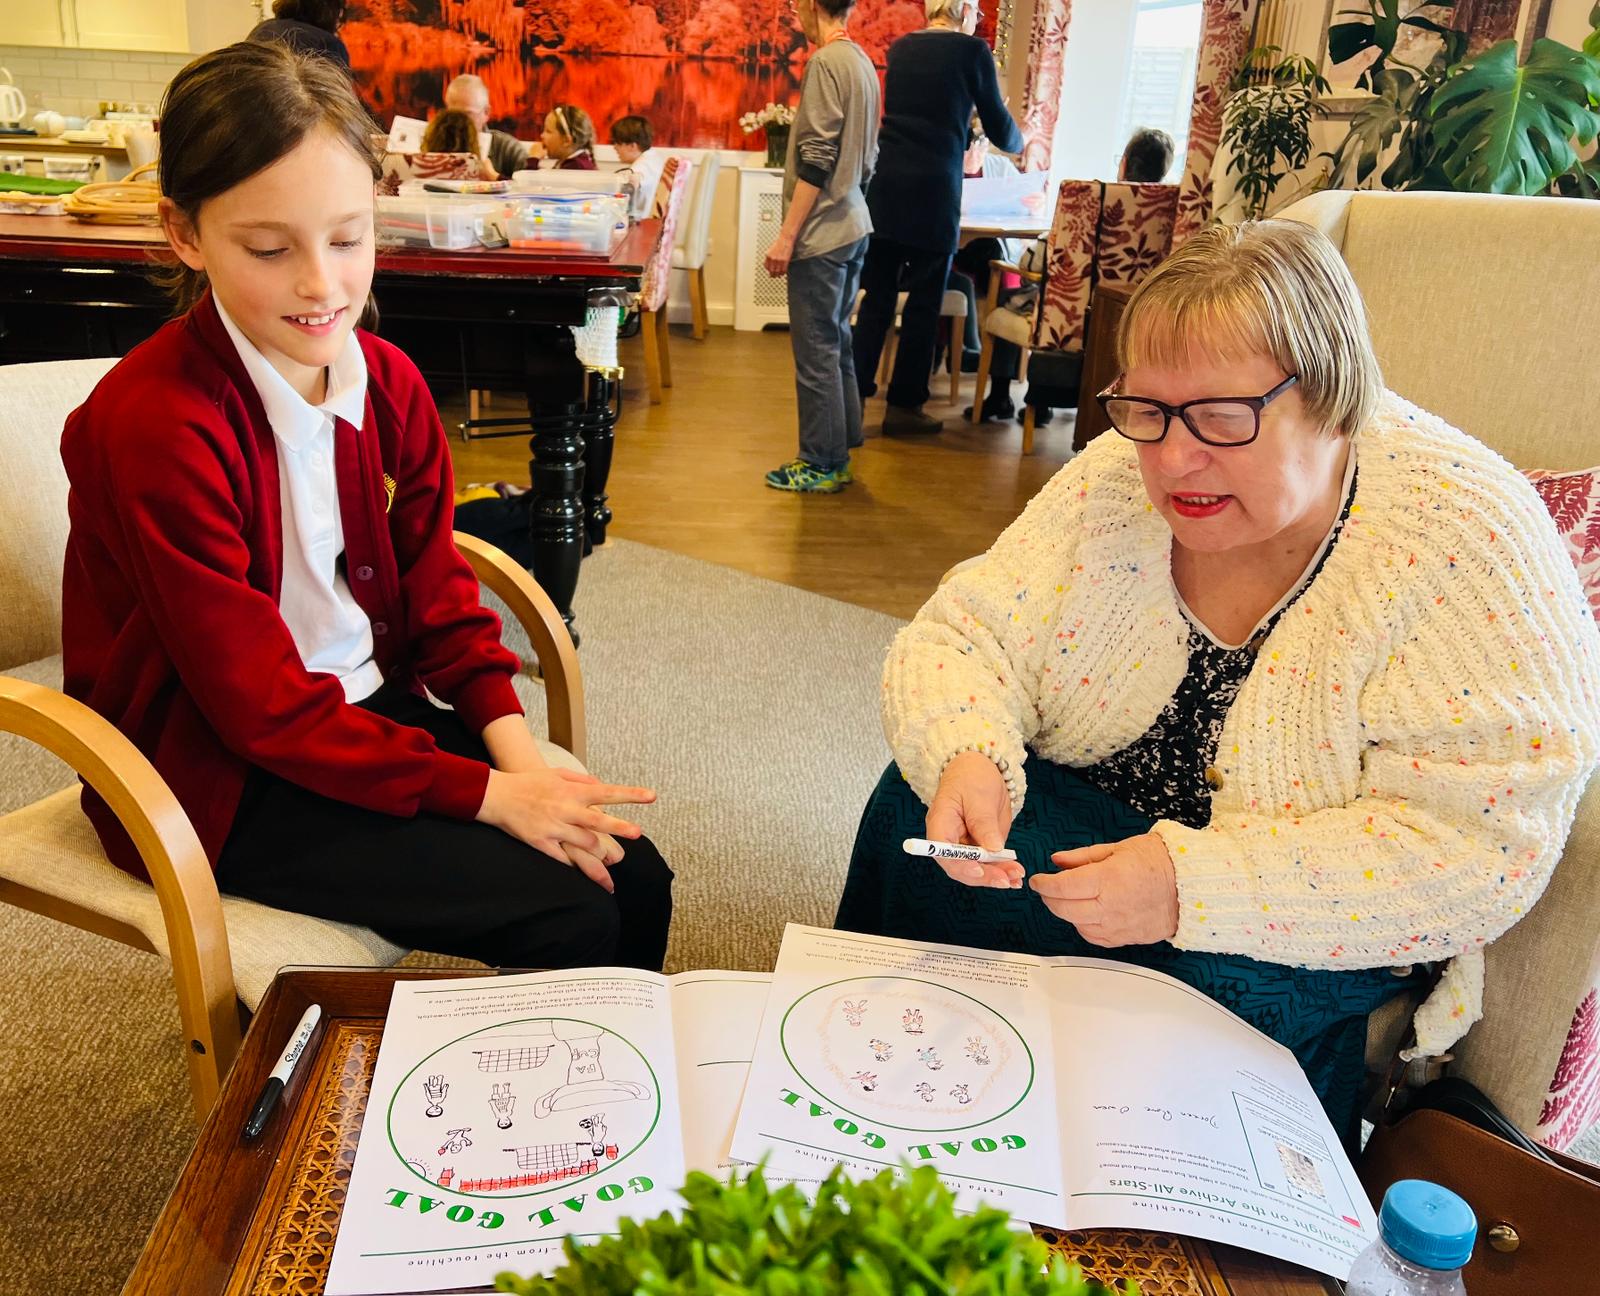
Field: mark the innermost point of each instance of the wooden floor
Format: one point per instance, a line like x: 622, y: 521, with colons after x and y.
x: 687, y: 476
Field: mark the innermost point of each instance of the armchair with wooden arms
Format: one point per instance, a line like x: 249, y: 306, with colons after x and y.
x: 224, y: 951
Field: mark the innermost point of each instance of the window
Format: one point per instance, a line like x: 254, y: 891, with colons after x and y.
x: 1160, y: 89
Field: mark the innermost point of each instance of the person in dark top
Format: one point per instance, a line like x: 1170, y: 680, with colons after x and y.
x: 935, y: 78
x: 307, y: 27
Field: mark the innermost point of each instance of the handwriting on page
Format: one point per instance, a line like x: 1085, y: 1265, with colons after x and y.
x: 1166, y: 1113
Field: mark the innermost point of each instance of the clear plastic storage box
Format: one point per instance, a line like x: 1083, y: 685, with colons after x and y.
x: 571, y: 225
x: 436, y: 221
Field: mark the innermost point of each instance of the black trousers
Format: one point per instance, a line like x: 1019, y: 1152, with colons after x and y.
x: 890, y: 268
x: 441, y: 884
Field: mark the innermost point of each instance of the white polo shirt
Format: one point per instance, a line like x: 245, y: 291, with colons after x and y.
x: 329, y: 628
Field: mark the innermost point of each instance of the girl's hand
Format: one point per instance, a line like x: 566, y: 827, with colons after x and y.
x: 973, y: 808
x: 556, y: 811
x: 1117, y: 893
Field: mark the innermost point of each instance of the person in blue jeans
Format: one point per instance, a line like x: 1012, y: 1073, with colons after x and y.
x: 832, y: 149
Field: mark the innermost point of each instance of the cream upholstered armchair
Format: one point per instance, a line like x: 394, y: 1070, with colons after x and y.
x: 1478, y: 306
x: 693, y: 243
x: 223, y: 951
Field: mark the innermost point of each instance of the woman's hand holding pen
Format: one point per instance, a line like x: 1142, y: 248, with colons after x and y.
x: 973, y: 807
x: 557, y: 811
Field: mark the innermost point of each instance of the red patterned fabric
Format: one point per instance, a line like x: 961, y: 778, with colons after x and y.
x: 1573, y: 499
x: 1047, y: 45
x: 429, y: 166
x: 1102, y: 233
x: 1224, y: 42
x: 1573, y: 1103
x: 1135, y: 231
x: 1069, y: 274
x: 657, y: 275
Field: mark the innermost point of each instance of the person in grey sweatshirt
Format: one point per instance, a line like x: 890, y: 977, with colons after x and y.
x: 832, y: 149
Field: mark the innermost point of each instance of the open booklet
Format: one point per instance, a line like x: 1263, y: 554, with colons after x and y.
x: 507, y: 1113
x: 1078, y: 1093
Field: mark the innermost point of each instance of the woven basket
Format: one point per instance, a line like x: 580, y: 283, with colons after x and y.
x: 129, y: 201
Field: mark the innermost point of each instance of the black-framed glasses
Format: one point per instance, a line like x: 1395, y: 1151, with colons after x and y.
x: 1216, y: 420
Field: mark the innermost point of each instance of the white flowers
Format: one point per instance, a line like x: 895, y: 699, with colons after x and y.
x: 772, y: 115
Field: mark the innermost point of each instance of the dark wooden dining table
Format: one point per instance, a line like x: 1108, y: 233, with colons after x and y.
x: 486, y: 318
x: 259, y: 1217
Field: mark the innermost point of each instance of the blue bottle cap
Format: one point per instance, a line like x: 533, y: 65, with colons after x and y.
x: 1427, y: 1225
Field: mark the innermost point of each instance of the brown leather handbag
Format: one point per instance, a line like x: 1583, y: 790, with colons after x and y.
x: 1538, y: 1211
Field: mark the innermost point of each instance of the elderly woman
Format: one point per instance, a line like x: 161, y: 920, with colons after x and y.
x: 933, y: 82
x: 1284, y: 688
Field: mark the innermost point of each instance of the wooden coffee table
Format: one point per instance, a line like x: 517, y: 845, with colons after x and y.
x: 247, y: 1219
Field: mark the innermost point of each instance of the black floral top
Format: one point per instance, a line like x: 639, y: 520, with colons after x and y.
x: 1167, y: 772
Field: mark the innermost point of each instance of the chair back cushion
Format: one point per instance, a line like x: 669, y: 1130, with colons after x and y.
x: 675, y: 178
x: 1479, y: 307
x: 398, y: 167
x: 1135, y: 231
x: 1058, y: 323
x: 694, y: 230
x: 1101, y: 233
x: 35, y: 400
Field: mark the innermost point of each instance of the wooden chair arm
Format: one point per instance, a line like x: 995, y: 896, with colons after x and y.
x: 184, y: 884
x: 547, y: 632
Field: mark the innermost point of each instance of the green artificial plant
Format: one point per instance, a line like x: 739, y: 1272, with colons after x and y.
x: 1266, y: 123
x: 1479, y: 124
x: 891, y: 1235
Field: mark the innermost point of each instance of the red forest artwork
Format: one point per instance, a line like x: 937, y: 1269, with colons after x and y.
x: 691, y: 66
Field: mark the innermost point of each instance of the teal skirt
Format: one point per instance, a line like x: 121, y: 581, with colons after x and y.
x: 1321, y: 1016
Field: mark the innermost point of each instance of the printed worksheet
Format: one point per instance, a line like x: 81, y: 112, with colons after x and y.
x: 1077, y: 1093
x: 508, y: 1113
x: 879, y: 1052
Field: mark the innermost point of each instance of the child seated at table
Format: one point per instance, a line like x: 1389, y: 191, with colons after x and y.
x: 633, y: 140
x: 452, y: 131
x: 261, y: 588
x: 568, y: 139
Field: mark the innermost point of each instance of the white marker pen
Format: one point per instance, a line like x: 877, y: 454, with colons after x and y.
x: 955, y: 851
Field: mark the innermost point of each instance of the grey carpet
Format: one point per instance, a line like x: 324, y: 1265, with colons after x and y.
x: 750, y: 706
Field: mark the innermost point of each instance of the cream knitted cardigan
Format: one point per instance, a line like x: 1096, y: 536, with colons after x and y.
x: 1400, y: 770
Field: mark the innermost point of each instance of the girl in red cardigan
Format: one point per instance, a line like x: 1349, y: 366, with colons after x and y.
x: 260, y: 581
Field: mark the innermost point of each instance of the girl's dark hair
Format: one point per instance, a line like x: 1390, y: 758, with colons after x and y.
x: 326, y: 14
x: 236, y: 111
x: 450, y: 131
x: 574, y: 123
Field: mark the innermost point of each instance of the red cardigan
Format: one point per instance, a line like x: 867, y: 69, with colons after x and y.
x: 169, y: 613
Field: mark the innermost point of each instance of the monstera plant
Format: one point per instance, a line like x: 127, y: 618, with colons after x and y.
x: 1484, y: 124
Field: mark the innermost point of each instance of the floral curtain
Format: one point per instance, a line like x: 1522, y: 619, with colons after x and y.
x: 1224, y: 42
x: 1047, y: 44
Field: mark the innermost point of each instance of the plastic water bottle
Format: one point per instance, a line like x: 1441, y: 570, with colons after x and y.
x: 1425, y: 1236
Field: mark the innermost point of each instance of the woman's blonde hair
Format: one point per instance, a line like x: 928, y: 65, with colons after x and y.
x: 1272, y: 287
x: 948, y: 10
